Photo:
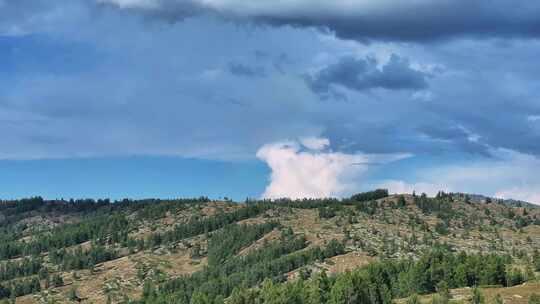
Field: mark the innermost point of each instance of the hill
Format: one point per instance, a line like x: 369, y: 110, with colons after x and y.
x: 371, y: 246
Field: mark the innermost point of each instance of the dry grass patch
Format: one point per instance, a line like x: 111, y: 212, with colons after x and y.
x: 347, y: 262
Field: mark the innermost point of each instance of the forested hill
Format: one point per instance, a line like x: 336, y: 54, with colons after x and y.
x: 369, y: 248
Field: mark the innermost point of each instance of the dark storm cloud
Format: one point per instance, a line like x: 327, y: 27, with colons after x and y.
x: 388, y: 20
x: 431, y: 20
x: 364, y: 75
x: 240, y: 69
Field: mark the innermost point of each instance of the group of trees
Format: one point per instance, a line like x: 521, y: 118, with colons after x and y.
x: 81, y: 259
x: 440, y: 205
x: 370, y: 195
x: 369, y: 207
x: 365, y: 202
x: 11, y: 208
x: 377, y: 283
x: 96, y: 228
x: 110, y: 228
x: 197, y: 226
x: 25, y: 267
x: 19, y: 288
x: 328, y: 212
x: 232, y: 238
x: 536, y: 260
x: 315, y: 203
x: 103, y: 223
x: 218, y: 280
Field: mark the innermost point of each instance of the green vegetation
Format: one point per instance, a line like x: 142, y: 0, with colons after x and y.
x: 380, y: 282
x: 477, y: 296
x: 14, y: 269
x: 534, y: 299
x: 81, y: 259
x: 232, y: 238
x: 218, y: 282
x: 370, y: 196
x: 258, y: 252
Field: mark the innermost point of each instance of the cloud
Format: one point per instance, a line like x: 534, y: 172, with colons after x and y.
x: 509, y: 175
x: 315, y: 143
x: 525, y: 193
x: 364, y: 75
x: 453, y: 136
x: 17, y: 17
x: 240, y: 69
x: 306, y: 171
x: 279, y: 62
x: 533, y: 118
x: 81, y: 84
x: 138, y: 4
x: 366, y: 20
x: 399, y: 186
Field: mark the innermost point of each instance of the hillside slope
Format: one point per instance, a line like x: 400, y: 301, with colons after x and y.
x: 197, y: 250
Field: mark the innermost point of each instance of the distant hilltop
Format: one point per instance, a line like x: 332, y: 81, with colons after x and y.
x: 479, y: 198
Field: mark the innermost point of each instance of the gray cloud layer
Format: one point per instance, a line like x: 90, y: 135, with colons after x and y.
x: 364, y: 75
x: 240, y: 69
x: 386, y: 20
x: 109, y: 82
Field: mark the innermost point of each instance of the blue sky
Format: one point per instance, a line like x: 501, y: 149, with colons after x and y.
x: 132, y: 177
x: 163, y: 98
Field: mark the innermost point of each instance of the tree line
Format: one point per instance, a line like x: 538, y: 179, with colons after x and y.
x: 377, y: 283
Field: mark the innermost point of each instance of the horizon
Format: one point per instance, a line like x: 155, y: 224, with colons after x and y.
x: 119, y: 199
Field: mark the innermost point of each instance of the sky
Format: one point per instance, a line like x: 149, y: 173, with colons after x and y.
x: 268, y: 99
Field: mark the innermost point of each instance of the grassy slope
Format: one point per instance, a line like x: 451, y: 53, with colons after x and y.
x: 389, y: 233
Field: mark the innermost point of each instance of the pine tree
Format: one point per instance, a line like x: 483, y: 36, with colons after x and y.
x: 57, y: 281
x: 72, y: 294
x: 460, y: 278
x: 401, y: 201
x: 477, y: 296
x: 443, y: 292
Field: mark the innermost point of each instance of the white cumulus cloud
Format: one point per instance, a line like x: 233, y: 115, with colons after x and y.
x: 509, y: 175
x: 143, y: 4
x: 315, y: 143
x: 305, y: 169
x: 400, y: 187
